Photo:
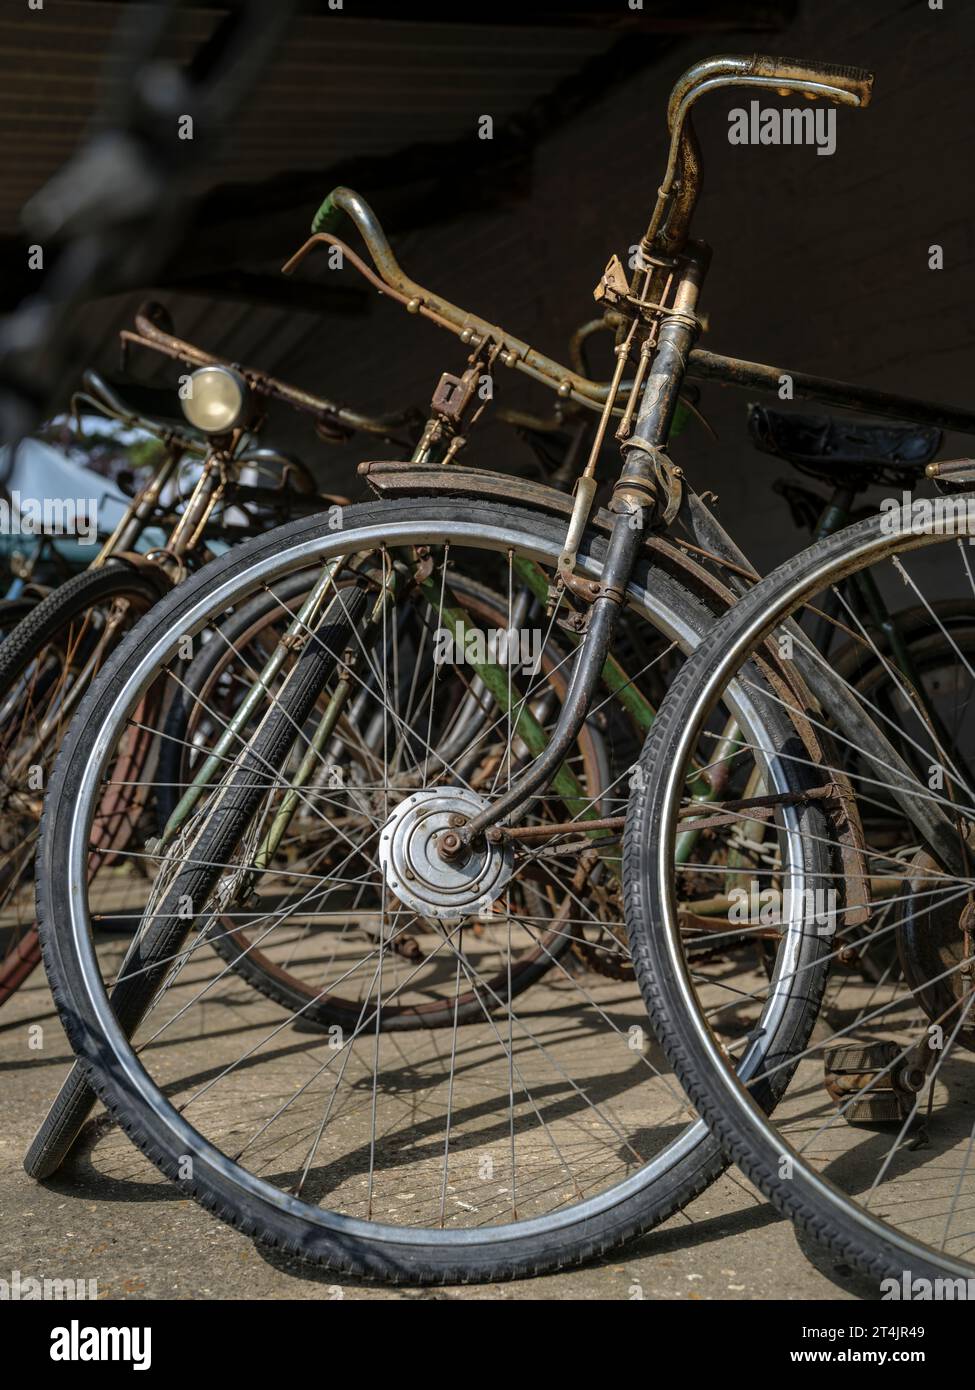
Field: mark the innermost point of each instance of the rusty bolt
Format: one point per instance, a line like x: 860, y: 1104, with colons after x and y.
x: 449, y: 845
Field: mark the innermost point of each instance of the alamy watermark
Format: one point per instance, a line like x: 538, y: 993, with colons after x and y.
x: 773, y: 125
x: 50, y: 516
x: 775, y: 907
x: 21, y: 1288
x: 519, y: 648
x: 78, y: 1343
x: 941, y: 1290
x: 928, y: 516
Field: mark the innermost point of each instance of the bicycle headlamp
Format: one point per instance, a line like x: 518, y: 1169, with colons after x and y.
x: 216, y: 401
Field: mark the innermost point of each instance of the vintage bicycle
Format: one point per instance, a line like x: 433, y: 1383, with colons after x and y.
x: 455, y: 828
x: 208, y: 489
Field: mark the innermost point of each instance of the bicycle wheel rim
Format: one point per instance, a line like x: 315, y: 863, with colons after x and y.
x: 102, y: 1034
x: 754, y: 1140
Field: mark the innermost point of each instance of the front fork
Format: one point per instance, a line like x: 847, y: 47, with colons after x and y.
x: 634, y: 500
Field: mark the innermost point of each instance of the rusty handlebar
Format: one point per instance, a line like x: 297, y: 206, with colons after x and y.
x: 665, y: 235
x: 150, y: 333
x: 677, y: 194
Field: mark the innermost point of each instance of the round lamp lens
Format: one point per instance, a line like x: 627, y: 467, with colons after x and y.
x: 215, y: 401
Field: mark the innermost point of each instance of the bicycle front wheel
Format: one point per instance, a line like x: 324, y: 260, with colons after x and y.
x: 870, y: 1148
x: 537, y: 1133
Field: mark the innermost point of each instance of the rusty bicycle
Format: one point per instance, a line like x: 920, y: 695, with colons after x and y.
x: 192, y: 502
x: 451, y: 826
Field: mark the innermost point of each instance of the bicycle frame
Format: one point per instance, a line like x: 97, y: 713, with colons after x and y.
x: 657, y: 326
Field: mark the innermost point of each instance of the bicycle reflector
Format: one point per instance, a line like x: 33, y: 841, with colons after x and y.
x: 216, y: 401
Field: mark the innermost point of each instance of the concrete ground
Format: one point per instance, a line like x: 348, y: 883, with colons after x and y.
x: 113, y: 1218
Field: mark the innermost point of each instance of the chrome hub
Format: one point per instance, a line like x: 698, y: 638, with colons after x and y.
x: 441, y: 888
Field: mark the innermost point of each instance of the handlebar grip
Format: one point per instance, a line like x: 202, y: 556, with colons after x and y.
x: 858, y: 82
x: 328, y: 217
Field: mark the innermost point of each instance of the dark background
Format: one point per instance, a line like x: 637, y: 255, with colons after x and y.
x: 820, y: 263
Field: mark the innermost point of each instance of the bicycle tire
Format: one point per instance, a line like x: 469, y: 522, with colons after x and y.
x: 251, y: 1205
x: 746, y: 1134
x: 40, y: 624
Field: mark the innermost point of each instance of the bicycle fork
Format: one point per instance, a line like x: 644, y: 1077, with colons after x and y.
x: 635, y: 500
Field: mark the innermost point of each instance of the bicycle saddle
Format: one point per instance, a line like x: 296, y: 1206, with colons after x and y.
x: 841, y: 452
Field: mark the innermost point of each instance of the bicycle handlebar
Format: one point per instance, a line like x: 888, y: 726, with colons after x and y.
x: 150, y: 334
x: 666, y: 233
x: 677, y: 195
x: 108, y: 402
x: 392, y: 280
x: 836, y: 82
x: 855, y: 83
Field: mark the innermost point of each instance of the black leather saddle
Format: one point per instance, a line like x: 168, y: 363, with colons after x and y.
x: 845, y: 453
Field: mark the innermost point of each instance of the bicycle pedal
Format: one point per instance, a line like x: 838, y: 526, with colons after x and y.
x: 870, y: 1069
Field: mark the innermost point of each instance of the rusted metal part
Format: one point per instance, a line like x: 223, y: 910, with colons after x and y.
x: 677, y: 194
x: 456, y: 407
x: 609, y: 954
x: 397, y: 478
x: 663, y: 489
x: 575, y: 847
x: 870, y: 1082
x: 758, y: 376
x: 716, y: 926
x: 546, y: 832
x: 645, y: 479
x: 710, y: 822
x: 732, y: 809
x: 581, y: 507
x: 149, y: 334
x: 454, y: 393
x: 613, y: 287
x: 585, y: 590
x: 471, y: 328
x: 952, y: 471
